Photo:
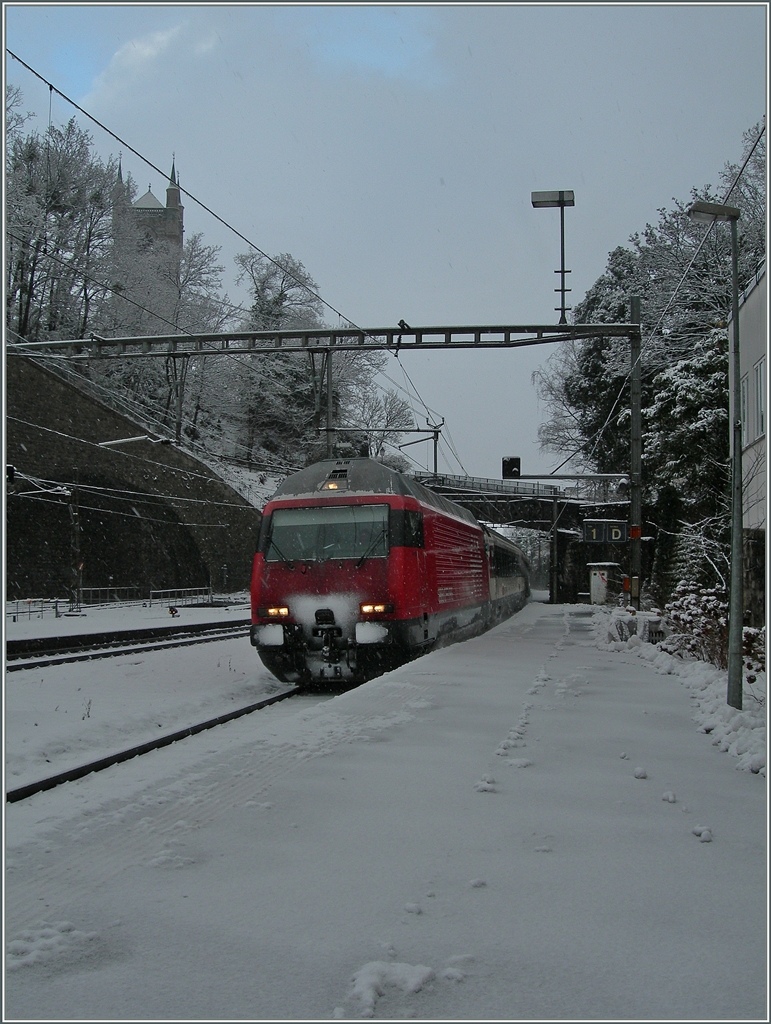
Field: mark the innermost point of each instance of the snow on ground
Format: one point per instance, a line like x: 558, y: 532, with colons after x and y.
x: 741, y: 733
x: 531, y: 825
x: 117, y: 617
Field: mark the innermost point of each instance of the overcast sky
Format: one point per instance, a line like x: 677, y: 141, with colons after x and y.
x: 393, y: 149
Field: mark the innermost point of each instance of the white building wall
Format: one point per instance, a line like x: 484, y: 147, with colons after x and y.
x: 753, y: 351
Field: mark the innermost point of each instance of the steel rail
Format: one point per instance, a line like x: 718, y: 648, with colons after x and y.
x: 81, y: 641
x: 14, y: 795
x: 116, y: 652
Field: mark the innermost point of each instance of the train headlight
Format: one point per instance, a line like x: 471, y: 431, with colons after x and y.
x: 274, y: 612
x: 376, y: 609
x: 371, y: 633
x: 271, y: 635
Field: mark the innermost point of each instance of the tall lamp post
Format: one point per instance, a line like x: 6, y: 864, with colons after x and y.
x: 543, y: 200
x: 708, y: 213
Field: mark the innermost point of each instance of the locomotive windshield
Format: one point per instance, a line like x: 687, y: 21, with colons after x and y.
x: 330, y: 531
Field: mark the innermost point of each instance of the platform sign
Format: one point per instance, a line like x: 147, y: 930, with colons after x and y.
x: 605, y: 531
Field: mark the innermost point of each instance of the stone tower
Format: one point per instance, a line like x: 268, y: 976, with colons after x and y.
x: 159, y: 222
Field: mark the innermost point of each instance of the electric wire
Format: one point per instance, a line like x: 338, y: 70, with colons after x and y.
x: 197, y: 201
x: 125, y: 494
x: 52, y: 88
x: 242, y: 360
x: 127, y: 455
x: 328, y: 305
x: 124, y: 515
x: 86, y: 277
x: 597, y: 436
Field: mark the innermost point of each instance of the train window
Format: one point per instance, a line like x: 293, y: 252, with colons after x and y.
x: 406, y: 528
x: 262, y: 536
x: 330, y: 531
x: 505, y: 562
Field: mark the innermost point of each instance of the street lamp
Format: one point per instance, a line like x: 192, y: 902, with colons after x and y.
x: 543, y: 200
x: 708, y: 213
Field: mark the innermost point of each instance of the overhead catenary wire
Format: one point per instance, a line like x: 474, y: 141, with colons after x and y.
x: 213, y: 478
x: 125, y: 494
x: 597, y: 436
x: 52, y: 88
x: 234, y: 356
x: 197, y: 201
x: 87, y: 277
x: 53, y: 500
x: 115, y: 451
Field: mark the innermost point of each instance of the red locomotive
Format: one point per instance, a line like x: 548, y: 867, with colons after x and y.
x: 359, y: 569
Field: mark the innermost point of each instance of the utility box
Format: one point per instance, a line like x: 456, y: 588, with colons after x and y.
x: 603, y: 581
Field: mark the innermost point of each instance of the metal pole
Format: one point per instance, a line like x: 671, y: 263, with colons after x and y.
x: 329, y: 404
x: 736, y: 602
x: 553, y: 555
x: 180, y: 371
x: 563, y: 319
x: 436, y: 427
x: 635, y: 469
x: 77, y: 572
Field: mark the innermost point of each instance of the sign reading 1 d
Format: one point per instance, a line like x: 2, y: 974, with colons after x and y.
x: 606, y: 531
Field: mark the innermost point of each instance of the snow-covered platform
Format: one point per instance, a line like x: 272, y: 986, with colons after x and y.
x: 527, y: 826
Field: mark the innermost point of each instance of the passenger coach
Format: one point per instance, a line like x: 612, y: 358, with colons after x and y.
x: 359, y: 568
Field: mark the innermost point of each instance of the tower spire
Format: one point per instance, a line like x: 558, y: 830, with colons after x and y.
x: 172, y: 189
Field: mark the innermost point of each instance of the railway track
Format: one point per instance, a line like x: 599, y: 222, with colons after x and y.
x: 42, y: 651
x: 14, y: 795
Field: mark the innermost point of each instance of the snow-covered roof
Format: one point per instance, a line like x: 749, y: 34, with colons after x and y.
x: 760, y: 273
x: 365, y: 476
x: 148, y: 202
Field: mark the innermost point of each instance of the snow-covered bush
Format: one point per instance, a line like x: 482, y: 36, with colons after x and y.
x: 754, y: 650
x: 698, y: 621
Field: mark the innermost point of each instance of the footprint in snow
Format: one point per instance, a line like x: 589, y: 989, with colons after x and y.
x: 485, y: 785
x: 520, y: 762
x: 169, y: 859
x: 669, y: 796
x: 452, y: 970
x: 704, y: 832
x: 640, y: 773
x: 453, y: 974
x: 56, y: 941
x: 372, y: 980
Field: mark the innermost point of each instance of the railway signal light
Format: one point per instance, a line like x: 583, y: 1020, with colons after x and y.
x: 510, y: 469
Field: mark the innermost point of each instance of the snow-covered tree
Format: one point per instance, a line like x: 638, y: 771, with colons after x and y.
x: 284, y: 295
x: 684, y: 282
x: 58, y: 233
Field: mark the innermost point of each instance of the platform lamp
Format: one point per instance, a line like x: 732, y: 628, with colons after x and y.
x: 708, y: 213
x: 542, y: 200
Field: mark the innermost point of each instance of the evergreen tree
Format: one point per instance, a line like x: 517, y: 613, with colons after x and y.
x: 684, y: 282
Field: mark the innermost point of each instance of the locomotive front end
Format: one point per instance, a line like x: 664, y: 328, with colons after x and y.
x: 320, y: 591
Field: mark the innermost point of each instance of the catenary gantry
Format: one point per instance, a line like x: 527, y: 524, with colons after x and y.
x: 346, y: 339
